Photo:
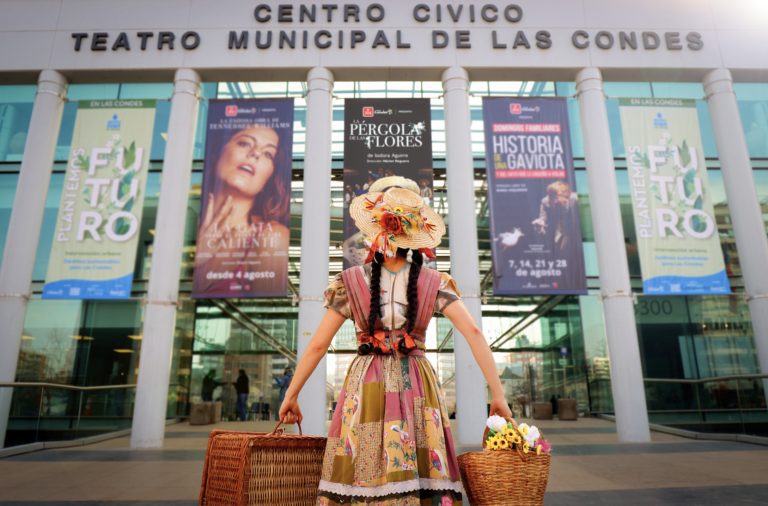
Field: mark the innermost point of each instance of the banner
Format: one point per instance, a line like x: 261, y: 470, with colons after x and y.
x: 243, y: 233
x: 675, y: 224
x: 97, y: 228
x: 534, y: 207
x: 383, y: 137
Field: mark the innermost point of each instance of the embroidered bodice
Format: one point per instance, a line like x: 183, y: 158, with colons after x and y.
x: 393, y: 299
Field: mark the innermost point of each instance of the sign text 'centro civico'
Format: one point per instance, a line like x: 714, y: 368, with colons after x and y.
x: 297, y: 26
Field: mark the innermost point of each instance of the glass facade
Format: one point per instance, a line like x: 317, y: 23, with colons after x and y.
x: 545, y: 347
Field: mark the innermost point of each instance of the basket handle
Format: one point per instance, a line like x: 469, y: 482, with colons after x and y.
x: 278, y: 431
x: 518, y: 448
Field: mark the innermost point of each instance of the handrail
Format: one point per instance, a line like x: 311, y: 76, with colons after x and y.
x: 704, y: 411
x: 706, y: 380
x: 82, y: 390
x: 13, y: 384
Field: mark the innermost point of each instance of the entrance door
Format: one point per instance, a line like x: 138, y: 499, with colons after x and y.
x: 254, y: 335
x: 542, y: 347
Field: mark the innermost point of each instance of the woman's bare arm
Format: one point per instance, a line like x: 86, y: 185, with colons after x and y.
x: 315, y: 351
x: 458, y: 314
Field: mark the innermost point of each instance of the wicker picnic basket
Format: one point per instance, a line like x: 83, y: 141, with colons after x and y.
x: 504, y: 477
x: 258, y: 468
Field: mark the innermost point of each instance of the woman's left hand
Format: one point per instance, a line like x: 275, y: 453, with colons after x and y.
x: 499, y: 407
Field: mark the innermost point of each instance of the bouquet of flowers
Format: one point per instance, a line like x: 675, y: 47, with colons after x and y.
x: 503, y: 434
x: 496, y: 476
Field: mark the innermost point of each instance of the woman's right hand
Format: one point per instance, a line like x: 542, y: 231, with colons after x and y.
x: 216, y: 221
x: 290, y: 412
x: 500, y: 407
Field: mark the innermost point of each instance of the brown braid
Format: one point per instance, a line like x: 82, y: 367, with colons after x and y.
x: 375, y: 311
x: 413, y: 293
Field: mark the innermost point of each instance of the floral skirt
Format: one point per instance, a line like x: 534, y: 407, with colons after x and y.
x: 390, y: 441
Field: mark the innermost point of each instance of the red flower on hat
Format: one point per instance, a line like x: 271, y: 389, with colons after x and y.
x: 391, y: 223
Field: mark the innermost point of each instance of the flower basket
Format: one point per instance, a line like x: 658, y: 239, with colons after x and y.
x: 505, y: 476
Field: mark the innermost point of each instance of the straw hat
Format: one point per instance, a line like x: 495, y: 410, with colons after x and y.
x: 396, y: 218
x: 384, y: 183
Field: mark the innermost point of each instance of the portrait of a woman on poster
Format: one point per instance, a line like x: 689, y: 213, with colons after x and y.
x: 243, y: 239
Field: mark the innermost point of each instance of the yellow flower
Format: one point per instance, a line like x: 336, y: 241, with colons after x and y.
x: 493, y: 444
x: 526, y: 447
x: 503, y: 444
x: 510, y: 438
x: 508, y: 430
x: 538, y: 450
x: 518, y: 439
x: 398, y: 209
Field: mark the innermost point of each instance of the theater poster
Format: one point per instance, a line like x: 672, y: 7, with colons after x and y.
x: 97, y: 228
x: 243, y: 231
x: 677, y: 237
x: 383, y: 137
x: 534, y: 206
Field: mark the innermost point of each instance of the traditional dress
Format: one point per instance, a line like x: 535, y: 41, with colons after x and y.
x: 390, y: 441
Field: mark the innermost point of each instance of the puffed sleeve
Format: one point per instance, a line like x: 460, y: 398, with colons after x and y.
x: 336, y: 297
x: 447, y: 293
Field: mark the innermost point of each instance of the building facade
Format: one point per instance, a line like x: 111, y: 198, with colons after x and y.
x: 615, y: 350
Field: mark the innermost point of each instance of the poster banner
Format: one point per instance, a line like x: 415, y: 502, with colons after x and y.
x: 243, y: 232
x: 534, y: 207
x: 383, y: 137
x: 97, y: 228
x: 677, y: 237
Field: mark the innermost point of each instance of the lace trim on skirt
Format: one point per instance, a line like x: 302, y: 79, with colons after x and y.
x: 397, y: 487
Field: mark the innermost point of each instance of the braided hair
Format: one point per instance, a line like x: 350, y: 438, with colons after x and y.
x: 413, y: 293
x: 375, y: 311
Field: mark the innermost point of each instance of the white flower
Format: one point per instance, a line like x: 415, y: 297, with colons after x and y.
x: 533, y: 435
x: 530, y: 433
x: 496, y: 423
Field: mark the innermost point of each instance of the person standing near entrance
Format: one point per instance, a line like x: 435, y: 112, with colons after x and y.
x: 241, y: 387
x: 390, y: 439
x: 209, y: 385
x: 283, y: 382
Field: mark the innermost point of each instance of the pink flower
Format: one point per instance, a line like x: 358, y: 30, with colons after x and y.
x: 545, y: 446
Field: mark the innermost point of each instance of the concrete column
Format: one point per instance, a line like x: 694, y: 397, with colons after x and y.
x: 471, y: 388
x: 24, y: 227
x: 162, y: 296
x: 621, y: 329
x: 743, y: 204
x: 315, y: 238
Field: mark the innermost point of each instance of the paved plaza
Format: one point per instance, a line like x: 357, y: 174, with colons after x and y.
x: 589, y: 467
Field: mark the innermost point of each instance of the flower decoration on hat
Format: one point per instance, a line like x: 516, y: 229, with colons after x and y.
x: 396, y: 218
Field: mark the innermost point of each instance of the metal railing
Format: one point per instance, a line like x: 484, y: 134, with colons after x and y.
x: 42, y: 411
x: 726, y: 401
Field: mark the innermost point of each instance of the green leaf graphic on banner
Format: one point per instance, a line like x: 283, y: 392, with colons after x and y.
x: 83, y: 162
x: 685, y: 155
x: 130, y: 155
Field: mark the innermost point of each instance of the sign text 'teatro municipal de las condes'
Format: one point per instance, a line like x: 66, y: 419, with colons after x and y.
x: 315, y: 26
